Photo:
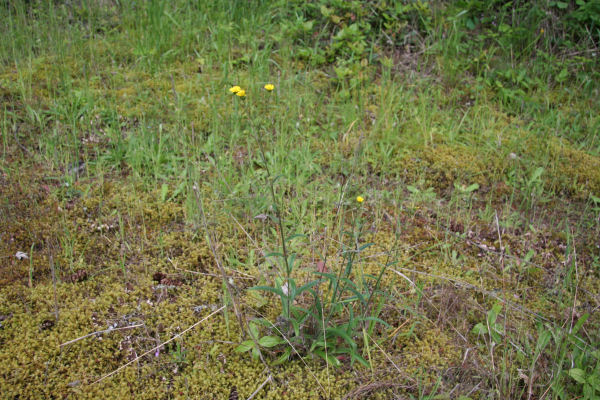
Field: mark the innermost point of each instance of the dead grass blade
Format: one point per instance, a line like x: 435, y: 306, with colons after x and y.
x: 159, y: 346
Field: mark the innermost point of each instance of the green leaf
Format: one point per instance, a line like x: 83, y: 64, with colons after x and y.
x: 349, y: 282
x: 245, y: 346
x: 308, y: 25
x: 263, y: 322
x: 306, y: 286
x: 594, y: 381
x: 292, y: 288
x: 365, y: 246
x: 258, y: 301
x: 326, y: 11
x: 479, y: 329
x: 269, y: 289
x: 274, y: 254
x: 562, y: 75
x: 296, y: 326
x: 328, y: 357
x: 291, y: 261
x: 357, y: 293
x: 357, y: 357
x: 543, y: 340
x: 342, y: 334
x: 577, y: 374
x: 164, y: 190
x: 472, y: 188
x: 284, y: 357
x: 298, y: 312
x: 370, y: 276
x: 294, y: 236
x: 316, y: 344
x: 493, y: 314
x: 561, y: 4
x: 495, y: 336
x: 309, y: 313
x: 374, y: 319
x: 270, y: 341
x: 588, y: 392
x: 329, y: 275
x: 276, y: 179
x: 580, y: 323
x: 253, y: 330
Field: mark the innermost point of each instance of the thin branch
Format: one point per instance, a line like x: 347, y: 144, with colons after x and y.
x: 211, y: 245
x: 248, y: 277
x: 54, y: 287
x: 241, y: 320
x: 100, y: 332
x: 269, y: 378
x: 159, y: 346
x: 384, y: 353
x: 458, y: 282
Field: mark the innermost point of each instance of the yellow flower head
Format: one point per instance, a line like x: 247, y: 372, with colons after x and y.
x: 241, y: 93
x: 234, y: 89
x: 360, y: 199
x: 542, y: 31
x: 269, y: 87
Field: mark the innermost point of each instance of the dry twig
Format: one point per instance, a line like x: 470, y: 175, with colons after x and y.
x: 159, y: 346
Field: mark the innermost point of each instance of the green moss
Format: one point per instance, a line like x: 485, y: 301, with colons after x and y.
x: 440, y: 166
x: 574, y: 172
x: 113, y: 222
x: 432, y: 350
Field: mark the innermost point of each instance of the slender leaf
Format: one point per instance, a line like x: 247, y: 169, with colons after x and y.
x: 245, y: 346
x: 329, y: 275
x: 269, y: 289
x: 365, y: 246
x: 493, y: 314
x: 291, y: 261
x: 306, y: 286
x: 283, y: 357
x: 270, y: 341
x: 328, y: 358
x: 374, y: 319
x: 294, y: 236
x: 274, y: 254
x: 357, y: 357
x: 342, y: 334
x: 263, y: 322
x: 580, y: 323
x: 296, y: 326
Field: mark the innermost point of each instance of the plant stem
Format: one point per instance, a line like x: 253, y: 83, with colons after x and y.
x: 277, y: 209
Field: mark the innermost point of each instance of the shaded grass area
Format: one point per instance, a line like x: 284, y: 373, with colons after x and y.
x: 117, y: 121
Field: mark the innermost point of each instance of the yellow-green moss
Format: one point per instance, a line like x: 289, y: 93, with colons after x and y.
x: 573, y: 171
x: 442, y: 165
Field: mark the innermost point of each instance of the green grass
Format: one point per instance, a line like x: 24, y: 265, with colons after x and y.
x: 147, y: 195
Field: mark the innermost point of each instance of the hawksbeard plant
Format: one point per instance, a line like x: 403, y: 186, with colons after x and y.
x: 333, y: 313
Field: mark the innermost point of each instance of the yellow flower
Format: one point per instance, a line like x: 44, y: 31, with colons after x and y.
x: 360, y: 199
x: 235, y: 89
x: 241, y: 93
x: 269, y: 87
x: 542, y: 31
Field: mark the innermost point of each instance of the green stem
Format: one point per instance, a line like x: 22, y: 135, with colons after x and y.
x: 277, y: 209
